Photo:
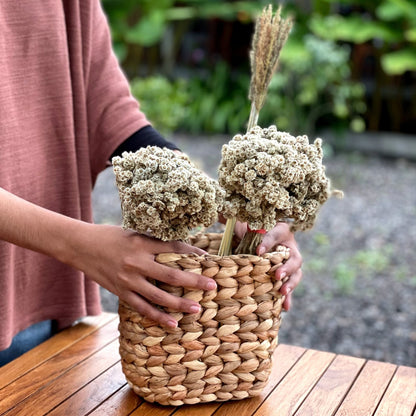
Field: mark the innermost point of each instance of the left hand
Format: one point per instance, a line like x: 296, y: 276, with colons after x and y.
x: 281, y: 235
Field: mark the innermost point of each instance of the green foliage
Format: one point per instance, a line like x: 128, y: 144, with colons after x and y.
x: 142, y: 23
x: 372, y: 261
x: 345, y: 277
x: 313, y: 84
x: 365, y: 264
x: 164, y: 102
x: 393, y: 22
x: 218, y: 102
x: 215, y: 103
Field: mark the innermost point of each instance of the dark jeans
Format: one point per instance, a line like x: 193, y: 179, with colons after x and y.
x: 27, y: 339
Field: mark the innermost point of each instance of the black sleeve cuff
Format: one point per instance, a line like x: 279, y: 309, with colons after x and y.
x: 146, y: 136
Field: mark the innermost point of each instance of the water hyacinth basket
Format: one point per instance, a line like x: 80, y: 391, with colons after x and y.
x: 222, y: 353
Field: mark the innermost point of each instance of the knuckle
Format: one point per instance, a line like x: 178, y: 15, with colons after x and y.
x: 158, y: 297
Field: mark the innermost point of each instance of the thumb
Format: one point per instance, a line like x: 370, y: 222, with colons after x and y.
x: 267, y: 244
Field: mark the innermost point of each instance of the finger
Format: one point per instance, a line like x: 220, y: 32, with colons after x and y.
x: 292, y: 264
x: 280, y: 234
x: 176, y: 277
x: 290, y: 285
x: 149, y: 311
x: 287, y: 304
x: 156, y: 246
x: 162, y: 298
x: 240, y: 229
x: 269, y: 241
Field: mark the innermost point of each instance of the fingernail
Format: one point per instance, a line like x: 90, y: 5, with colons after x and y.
x: 171, y: 323
x: 195, y: 309
x: 262, y: 250
x: 211, y: 285
x: 283, y: 275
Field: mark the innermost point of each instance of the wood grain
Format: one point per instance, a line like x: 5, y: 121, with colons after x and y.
x: 79, y: 374
x: 284, y: 358
x: 150, y: 409
x: 92, y: 394
x: 121, y: 403
x: 30, y: 382
x: 53, y: 394
x: 293, y: 389
x: 400, y: 396
x: 330, y: 390
x: 367, y: 390
x: 52, y: 346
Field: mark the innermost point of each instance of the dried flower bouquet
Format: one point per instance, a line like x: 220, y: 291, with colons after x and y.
x: 164, y: 194
x: 270, y: 176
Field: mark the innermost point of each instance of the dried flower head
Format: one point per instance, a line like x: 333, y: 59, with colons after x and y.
x: 164, y: 193
x: 269, y: 176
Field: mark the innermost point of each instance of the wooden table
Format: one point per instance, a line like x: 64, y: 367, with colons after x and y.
x: 78, y: 372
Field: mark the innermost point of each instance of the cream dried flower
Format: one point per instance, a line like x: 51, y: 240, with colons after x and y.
x: 164, y: 194
x: 276, y: 176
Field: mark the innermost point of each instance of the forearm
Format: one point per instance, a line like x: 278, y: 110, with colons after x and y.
x: 33, y: 227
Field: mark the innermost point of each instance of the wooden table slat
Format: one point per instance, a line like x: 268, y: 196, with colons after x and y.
x: 92, y: 394
x: 121, y: 403
x: 150, y: 409
x: 328, y: 393
x: 202, y: 409
x: 283, y: 360
x: 53, y: 394
x: 367, y: 390
x: 30, y: 382
x: 51, y: 347
x: 293, y: 389
x: 400, y: 396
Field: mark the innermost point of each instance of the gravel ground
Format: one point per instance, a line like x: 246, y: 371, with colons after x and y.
x: 358, y: 294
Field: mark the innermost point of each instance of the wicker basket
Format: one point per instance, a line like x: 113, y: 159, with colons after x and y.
x: 222, y: 353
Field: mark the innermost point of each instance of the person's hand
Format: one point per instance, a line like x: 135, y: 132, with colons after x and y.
x: 122, y: 262
x: 119, y: 260
x: 280, y: 235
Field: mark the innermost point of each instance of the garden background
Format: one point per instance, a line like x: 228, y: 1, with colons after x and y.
x: 348, y: 75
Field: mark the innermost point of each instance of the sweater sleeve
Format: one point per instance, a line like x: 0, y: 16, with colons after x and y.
x: 147, y: 136
x: 113, y: 113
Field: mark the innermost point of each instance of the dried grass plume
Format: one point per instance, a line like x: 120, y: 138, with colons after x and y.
x: 271, y: 33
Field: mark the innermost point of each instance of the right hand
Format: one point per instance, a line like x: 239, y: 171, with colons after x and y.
x: 122, y: 262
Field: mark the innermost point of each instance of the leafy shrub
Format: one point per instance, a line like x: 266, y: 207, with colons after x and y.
x: 218, y: 102
x: 313, y: 86
x: 163, y: 101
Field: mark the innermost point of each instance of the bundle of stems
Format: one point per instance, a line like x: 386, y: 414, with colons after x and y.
x: 270, y: 35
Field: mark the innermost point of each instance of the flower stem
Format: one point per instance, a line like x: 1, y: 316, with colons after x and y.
x: 254, y: 116
x: 227, y: 238
x: 249, y: 243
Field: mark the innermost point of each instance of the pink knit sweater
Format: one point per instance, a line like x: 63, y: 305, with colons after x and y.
x: 65, y: 106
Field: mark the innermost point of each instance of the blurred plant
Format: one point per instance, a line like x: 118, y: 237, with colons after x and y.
x: 163, y: 101
x: 314, y: 85
x: 373, y: 261
x: 385, y: 33
x: 218, y: 101
x: 391, y: 22
x: 311, y: 86
x: 345, y: 277
x: 140, y: 24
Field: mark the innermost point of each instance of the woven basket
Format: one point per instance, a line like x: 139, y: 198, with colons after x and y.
x: 222, y: 353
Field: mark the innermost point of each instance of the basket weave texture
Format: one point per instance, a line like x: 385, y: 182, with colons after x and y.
x: 222, y: 353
